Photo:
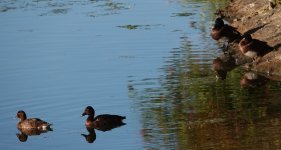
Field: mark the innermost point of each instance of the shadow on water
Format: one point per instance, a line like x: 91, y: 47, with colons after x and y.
x: 186, y: 108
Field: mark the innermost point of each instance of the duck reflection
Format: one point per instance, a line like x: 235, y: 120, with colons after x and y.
x: 91, y: 137
x: 222, y: 65
x: 253, y: 80
x: 25, y: 132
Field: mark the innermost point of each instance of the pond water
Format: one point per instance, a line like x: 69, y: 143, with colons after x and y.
x: 147, y: 60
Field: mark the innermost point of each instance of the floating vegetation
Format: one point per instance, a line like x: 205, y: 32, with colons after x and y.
x: 4, y: 9
x: 60, y: 11
x: 110, y: 6
x: 133, y: 27
x: 130, y: 27
x: 95, y: 8
x: 95, y: 14
x: 183, y: 14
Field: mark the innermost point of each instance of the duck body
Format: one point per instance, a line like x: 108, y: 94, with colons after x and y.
x: 31, y: 123
x: 252, y: 47
x: 102, y: 122
x: 221, y: 30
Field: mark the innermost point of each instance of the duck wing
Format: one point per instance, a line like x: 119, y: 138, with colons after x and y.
x: 40, y: 124
x: 231, y: 32
x: 108, y: 117
x: 107, y: 122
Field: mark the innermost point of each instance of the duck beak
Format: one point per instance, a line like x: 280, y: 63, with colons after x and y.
x: 83, y: 114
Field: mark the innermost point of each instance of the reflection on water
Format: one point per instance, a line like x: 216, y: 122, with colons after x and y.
x: 253, y: 80
x: 187, y: 108
x: 58, y: 56
x: 25, y: 132
x: 91, y: 136
x: 109, y: 127
x: 223, y: 64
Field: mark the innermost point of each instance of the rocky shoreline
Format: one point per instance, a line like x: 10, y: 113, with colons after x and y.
x: 263, y: 23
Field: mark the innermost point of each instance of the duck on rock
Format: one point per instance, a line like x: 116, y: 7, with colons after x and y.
x: 102, y: 122
x: 253, y: 48
x: 221, y: 30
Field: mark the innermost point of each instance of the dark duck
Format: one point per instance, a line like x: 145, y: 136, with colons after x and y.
x: 253, y: 48
x: 102, y: 122
x: 221, y: 30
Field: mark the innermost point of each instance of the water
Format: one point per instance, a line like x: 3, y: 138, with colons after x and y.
x: 147, y: 60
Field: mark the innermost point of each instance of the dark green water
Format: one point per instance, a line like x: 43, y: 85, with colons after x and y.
x: 147, y: 60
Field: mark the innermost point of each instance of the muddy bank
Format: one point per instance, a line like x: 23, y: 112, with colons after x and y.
x: 264, y: 23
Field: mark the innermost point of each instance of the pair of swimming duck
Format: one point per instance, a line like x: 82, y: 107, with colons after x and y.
x: 101, y: 122
x: 248, y: 46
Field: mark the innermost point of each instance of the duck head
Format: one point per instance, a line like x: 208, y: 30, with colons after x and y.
x: 21, y: 115
x: 247, y: 38
x: 218, y: 23
x: 89, y: 110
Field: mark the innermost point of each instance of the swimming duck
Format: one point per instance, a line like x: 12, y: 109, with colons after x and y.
x: 221, y: 30
x: 103, y: 122
x: 31, y: 123
x: 253, y: 48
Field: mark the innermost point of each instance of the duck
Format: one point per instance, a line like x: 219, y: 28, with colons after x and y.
x: 102, y: 122
x: 253, y: 48
x: 221, y: 30
x: 31, y: 123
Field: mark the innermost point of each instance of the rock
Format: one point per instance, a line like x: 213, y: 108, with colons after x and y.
x: 263, y: 24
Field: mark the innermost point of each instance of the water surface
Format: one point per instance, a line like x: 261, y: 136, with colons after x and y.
x: 147, y: 60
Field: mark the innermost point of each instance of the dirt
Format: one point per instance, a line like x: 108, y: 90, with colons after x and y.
x: 263, y: 23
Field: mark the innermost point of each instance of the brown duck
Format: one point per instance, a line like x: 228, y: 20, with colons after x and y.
x: 253, y: 48
x: 31, y: 123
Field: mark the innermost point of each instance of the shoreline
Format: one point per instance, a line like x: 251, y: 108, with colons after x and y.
x: 264, y: 23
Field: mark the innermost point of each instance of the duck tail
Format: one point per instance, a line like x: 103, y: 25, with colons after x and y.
x: 47, y: 126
